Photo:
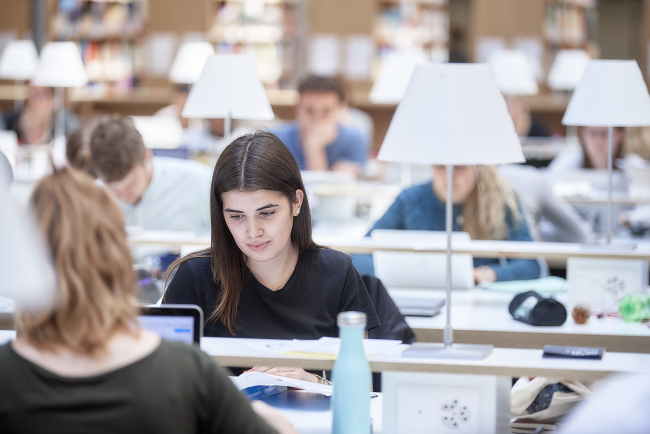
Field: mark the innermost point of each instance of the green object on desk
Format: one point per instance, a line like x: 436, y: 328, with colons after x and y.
x: 545, y: 286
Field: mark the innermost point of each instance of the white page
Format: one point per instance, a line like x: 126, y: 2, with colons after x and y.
x: 250, y: 379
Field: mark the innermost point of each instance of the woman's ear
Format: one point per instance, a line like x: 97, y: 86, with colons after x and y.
x: 300, y: 196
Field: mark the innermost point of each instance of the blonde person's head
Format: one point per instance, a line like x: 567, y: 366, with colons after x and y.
x: 485, y: 199
x: 84, y: 230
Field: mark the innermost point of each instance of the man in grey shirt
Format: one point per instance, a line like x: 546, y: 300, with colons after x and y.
x: 155, y: 193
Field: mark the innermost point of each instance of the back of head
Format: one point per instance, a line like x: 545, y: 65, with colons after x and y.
x: 317, y: 83
x: 115, y: 147
x: 84, y: 229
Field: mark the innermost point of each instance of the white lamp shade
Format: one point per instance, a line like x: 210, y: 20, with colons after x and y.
x: 18, y: 61
x: 452, y: 114
x: 60, y: 66
x: 228, y: 86
x: 189, y: 62
x: 611, y: 93
x: 513, y: 72
x: 567, y: 69
x: 394, y: 75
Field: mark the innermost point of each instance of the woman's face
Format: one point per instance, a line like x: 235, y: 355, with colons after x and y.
x: 260, y: 221
x: 595, y: 141
x: 464, y: 182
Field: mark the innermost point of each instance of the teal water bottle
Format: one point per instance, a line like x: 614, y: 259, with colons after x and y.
x: 351, y: 378
x: 634, y: 307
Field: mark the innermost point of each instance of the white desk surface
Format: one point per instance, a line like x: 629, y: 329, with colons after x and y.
x: 501, y: 362
x: 477, y: 248
x: 482, y: 317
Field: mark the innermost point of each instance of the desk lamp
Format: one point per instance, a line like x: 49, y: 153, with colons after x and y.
x: 189, y: 62
x: 611, y: 93
x: 513, y: 72
x: 228, y: 88
x: 567, y: 70
x: 60, y: 66
x: 394, y: 75
x: 18, y: 63
x: 452, y: 114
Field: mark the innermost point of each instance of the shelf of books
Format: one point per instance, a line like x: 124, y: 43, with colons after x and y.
x: 110, y: 35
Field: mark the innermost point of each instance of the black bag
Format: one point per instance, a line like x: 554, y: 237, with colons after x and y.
x: 533, y: 309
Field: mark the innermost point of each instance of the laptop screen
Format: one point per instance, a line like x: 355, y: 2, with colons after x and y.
x: 171, y: 328
x: 173, y: 322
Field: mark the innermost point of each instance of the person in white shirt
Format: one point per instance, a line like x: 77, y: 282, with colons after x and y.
x: 155, y: 193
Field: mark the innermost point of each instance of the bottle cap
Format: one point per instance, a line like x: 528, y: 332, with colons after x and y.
x: 351, y: 319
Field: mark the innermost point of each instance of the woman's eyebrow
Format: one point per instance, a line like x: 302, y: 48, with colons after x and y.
x: 271, y: 205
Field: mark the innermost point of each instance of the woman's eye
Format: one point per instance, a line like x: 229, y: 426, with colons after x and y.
x: 237, y: 217
x: 267, y: 213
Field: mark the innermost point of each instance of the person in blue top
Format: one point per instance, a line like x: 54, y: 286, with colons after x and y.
x: 316, y: 139
x: 486, y: 208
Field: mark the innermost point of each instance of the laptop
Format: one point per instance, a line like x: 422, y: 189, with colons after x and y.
x: 174, y: 322
x: 425, y: 271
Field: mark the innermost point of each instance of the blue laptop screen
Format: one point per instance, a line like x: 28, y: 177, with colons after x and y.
x: 171, y: 328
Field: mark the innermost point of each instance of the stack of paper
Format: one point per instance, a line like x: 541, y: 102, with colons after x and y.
x: 325, y: 348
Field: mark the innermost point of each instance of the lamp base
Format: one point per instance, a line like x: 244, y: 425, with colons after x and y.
x: 454, y: 351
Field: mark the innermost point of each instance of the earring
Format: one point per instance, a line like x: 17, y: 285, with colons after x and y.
x: 298, y: 211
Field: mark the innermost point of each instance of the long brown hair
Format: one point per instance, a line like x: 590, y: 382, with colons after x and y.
x: 96, y: 281
x: 485, y: 211
x: 252, y: 162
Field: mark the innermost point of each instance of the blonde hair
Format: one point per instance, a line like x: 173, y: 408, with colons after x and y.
x: 639, y: 142
x: 484, y: 214
x: 97, y: 284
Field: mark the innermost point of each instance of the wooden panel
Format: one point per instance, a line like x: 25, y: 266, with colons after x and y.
x: 15, y: 16
x: 178, y: 16
x: 508, y: 18
x: 620, y: 29
x: 342, y: 17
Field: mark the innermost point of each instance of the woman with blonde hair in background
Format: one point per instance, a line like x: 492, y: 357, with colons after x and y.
x: 88, y: 366
x: 486, y: 207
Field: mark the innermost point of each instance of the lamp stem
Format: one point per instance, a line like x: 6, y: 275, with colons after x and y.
x: 18, y: 101
x: 610, y: 164
x: 226, y: 126
x: 449, y: 208
x: 59, y: 120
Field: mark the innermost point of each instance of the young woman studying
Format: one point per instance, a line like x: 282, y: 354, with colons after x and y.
x: 87, y: 366
x: 486, y: 208
x: 264, y: 277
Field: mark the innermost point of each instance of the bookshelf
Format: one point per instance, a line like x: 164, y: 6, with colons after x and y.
x: 570, y: 24
x: 110, y: 35
x: 413, y: 25
x: 266, y: 29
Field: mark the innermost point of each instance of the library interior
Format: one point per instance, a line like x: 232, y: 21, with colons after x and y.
x: 436, y: 211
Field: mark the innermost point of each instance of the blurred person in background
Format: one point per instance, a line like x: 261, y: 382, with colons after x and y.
x: 88, y: 365
x: 593, y: 150
x: 487, y: 208
x: 317, y: 139
x: 155, y: 193
x: 525, y: 124
x: 34, y: 123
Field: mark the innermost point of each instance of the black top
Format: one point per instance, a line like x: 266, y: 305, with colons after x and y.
x: 175, y: 389
x: 323, y: 284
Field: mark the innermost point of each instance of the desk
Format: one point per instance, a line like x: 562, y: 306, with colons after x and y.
x: 501, y: 362
x: 482, y: 317
x: 476, y: 248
